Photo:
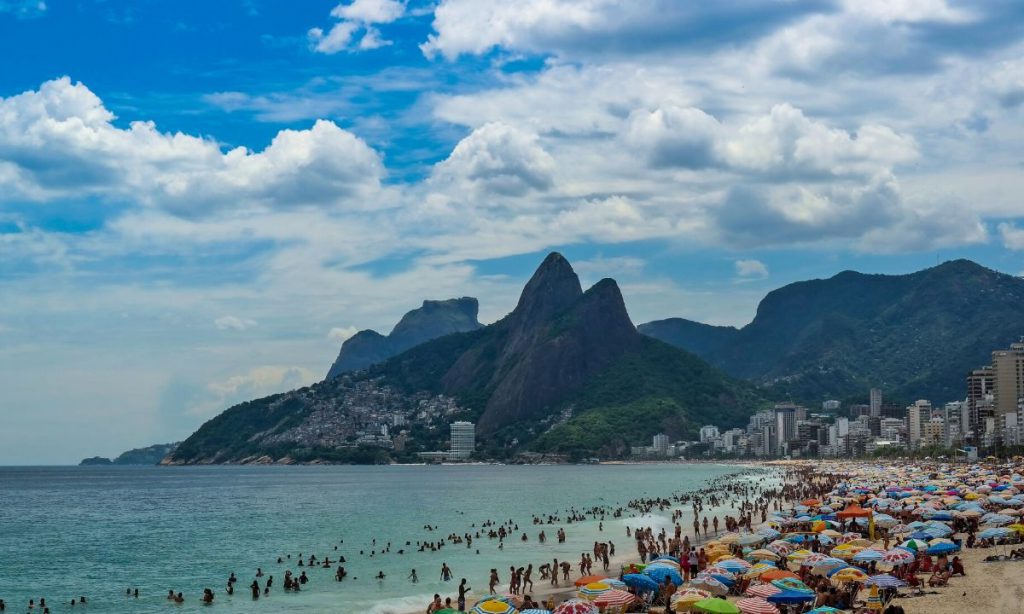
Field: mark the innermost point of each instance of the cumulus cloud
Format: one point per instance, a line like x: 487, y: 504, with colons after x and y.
x: 751, y: 269
x: 600, y: 26
x: 357, y: 16
x: 233, y: 323
x: 341, y: 334
x: 674, y: 136
x: 496, y: 159
x: 60, y: 141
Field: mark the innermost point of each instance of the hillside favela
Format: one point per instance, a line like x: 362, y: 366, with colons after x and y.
x: 512, y: 306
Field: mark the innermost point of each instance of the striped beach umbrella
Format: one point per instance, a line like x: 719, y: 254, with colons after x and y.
x: 493, y: 606
x: 593, y: 590
x: 763, y: 554
x: 535, y: 611
x: 792, y: 584
x: 614, y: 598
x: 849, y: 574
x: 756, y: 605
x: 884, y: 581
x: 734, y: 565
x: 762, y: 590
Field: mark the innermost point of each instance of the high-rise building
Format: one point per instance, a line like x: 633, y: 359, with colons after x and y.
x: 785, y: 425
x: 660, y: 444
x: 1008, y: 368
x: 708, y: 433
x: 463, y: 439
x: 980, y: 388
x: 917, y: 415
x: 876, y: 402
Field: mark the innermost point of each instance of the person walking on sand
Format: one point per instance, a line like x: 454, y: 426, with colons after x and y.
x: 527, y: 578
x: 493, y: 581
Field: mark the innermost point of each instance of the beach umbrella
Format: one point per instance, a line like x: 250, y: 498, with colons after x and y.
x: 915, y: 544
x: 792, y: 584
x: 762, y: 554
x: 591, y: 591
x: 667, y: 557
x: 615, y: 583
x: 640, y: 582
x: 811, y: 559
x: 734, y: 565
x: 717, y: 570
x: 849, y: 574
x: 709, y: 584
x: 716, y: 606
x: 576, y: 606
x: 757, y: 570
x: 790, y: 597
x: 751, y: 538
x: 493, y: 606
x: 756, y: 605
x: 866, y: 556
x: 884, y: 581
x: 614, y: 598
x: 531, y: 611
x: 777, y: 574
x: 942, y: 548
x: 658, y: 574
x: 898, y: 556
x: 588, y: 579
x: 779, y: 547
x: 762, y: 590
x: 685, y: 598
x: 827, y: 566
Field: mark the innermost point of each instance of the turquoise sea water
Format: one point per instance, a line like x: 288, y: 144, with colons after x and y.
x: 95, y: 531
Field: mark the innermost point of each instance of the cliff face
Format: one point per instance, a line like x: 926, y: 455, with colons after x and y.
x: 546, y: 349
x: 432, y: 320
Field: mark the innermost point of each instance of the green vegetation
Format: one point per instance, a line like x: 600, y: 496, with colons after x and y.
x: 915, y: 336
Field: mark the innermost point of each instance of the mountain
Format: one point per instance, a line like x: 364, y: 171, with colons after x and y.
x: 151, y: 455
x: 432, y: 320
x: 566, y: 371
x: 914, y: 336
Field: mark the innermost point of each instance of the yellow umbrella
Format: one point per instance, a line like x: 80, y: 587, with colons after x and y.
x: 831, y: 533
x: 763, y: 554
x: 799, y: 555
x: 849, y: 574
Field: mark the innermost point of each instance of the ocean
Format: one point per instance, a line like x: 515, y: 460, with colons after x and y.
x: 97, y: 531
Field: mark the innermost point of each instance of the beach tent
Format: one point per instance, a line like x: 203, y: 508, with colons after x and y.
x: 854, y: 511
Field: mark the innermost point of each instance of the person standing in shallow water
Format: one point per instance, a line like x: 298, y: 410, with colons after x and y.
x: 463, y: 589
x: 446, y: 573
x: 255, y: 586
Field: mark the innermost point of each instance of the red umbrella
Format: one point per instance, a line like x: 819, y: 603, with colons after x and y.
x: 614, y: 597
x: 756, y: 605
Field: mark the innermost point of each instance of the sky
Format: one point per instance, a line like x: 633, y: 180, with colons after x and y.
x: 199, y: 201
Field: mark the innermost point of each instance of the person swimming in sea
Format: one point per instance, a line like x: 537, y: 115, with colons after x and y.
x: 207, y: 596
x: 255, y: 587
x: 413, y: 577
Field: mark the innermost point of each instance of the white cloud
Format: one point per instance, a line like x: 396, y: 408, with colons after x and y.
x: 341, y: 334
x: 60, y: 141
x: 355, y: 17
x: 1013, y: 237
x: 674, y: 136
x: 233, y: 323
x: 751, y: 269
x: 496, y: 159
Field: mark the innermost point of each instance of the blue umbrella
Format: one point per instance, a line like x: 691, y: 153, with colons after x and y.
x: 640, y: 582
x: 942, y: 548
x: 658, y: 574
x: 666, y: 557
x: 790, y: 597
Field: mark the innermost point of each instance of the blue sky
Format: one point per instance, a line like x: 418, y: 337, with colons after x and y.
x: 200, y: 200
